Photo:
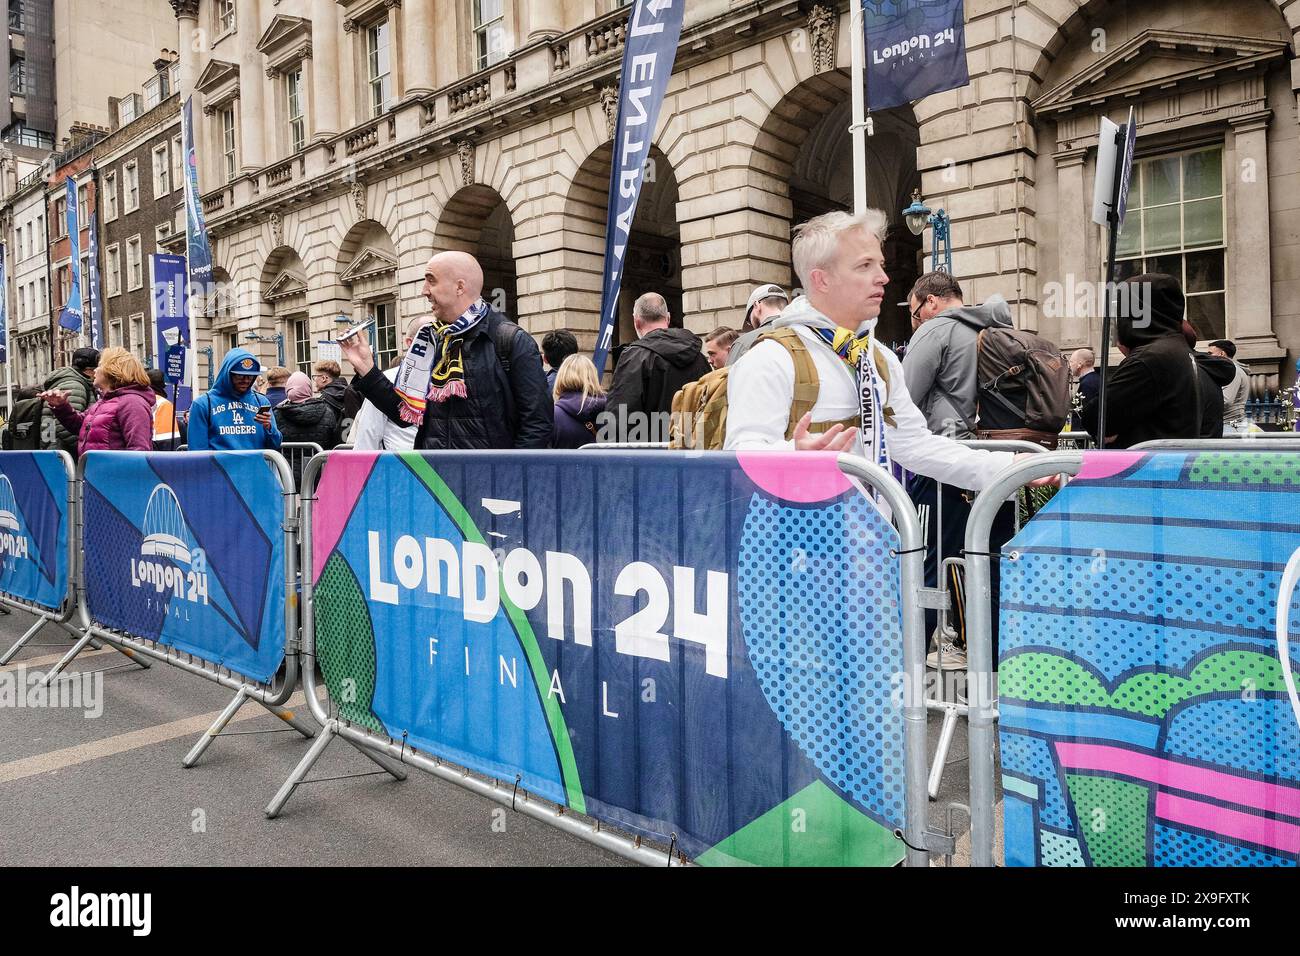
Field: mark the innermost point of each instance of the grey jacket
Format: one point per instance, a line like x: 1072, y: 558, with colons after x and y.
x: 1235, y: 396
x: 747, y: 339
x: 940, y: 365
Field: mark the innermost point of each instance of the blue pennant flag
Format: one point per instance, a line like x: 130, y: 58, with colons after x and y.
x: 200, y: 253
x: 914, y: 48
x: 70, y: 317
x: 654, y: 28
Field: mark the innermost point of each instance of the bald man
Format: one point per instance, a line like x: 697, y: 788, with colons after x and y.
x: 1081, y: 367
x: 471, y: 378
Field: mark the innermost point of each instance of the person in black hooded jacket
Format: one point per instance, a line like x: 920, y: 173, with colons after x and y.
x: 652, y: 369
x: 500, y: 400
x: 1162, y: 389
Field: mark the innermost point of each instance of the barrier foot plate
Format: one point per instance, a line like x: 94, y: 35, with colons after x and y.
x: 217, y: 727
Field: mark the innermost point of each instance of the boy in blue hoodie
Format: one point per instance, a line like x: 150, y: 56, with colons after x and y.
x: 230, y: 416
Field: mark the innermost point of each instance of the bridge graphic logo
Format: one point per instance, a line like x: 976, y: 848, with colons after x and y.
x: 165, y: 532
x: 13, y: 543
x: 169, y: 563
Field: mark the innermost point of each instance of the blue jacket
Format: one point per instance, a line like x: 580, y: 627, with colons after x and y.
x: 220, y: 420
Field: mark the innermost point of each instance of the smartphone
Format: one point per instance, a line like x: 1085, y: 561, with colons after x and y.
x: 354, y: 331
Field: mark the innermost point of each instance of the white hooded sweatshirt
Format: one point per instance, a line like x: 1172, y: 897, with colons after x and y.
x: 760, y: 388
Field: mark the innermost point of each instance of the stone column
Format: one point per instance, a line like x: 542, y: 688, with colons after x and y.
x: 253, y: 101
x: 325, y: 67
x: 545, y: 19
x: 1250, y: 274
x: 1072, y: 245
x: 187, y: 22
x: 417, y: 48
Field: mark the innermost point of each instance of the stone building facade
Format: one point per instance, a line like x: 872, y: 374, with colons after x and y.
x: 343, y: 141
x: 75, y: 163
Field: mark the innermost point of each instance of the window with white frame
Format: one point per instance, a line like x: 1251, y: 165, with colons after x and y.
x: 379, y: 67
x: 24, y: 233
x: 60, y: 218
x: 225, y: 16
x: 113, y: 269
x: 302, y: 345
x: 83, y: 207
x: 489, y: 32
x: 161, y: 172
x: 128, y: 108
x: 385, y: 334
x: 110, y: 197
x: 1175, y: 225
x: 131, y: 186
x: 178, y: 164
x: 228, y: 143
x: 139, y: 344
x: 162, y: 232
x: 134, y: 267
x: 155, y: 90
x: 115, y: 333
x: 293, y: 104
x: 65, y: 285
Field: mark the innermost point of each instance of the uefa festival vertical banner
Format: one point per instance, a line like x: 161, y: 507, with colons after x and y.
x: 4, y: 314
x: 200, y: 253
x: 70, y: 317
x: 92, y: 286
x: 914, y: 48
x: 654, y: 28
x: 170, y: 315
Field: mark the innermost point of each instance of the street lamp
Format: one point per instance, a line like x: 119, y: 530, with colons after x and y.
x: 278, y: 339
x: 918, y: 216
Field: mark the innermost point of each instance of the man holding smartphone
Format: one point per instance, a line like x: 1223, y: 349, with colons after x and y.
x: 231, y: 415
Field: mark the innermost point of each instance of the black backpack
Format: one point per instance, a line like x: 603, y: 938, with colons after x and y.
x: 23, y: 431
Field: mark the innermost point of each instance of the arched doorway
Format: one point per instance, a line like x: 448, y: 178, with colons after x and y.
x: 805, y: 142
x: 477, y: 220
x: 284, y: 310
x: 367, y: 271
x: 653, y: 262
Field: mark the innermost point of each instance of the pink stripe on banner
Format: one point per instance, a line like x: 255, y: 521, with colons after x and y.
x: 1108, y: 464
x: 1229, y: 823
x: 1172, y: 775
x: 805, y: 477
x: 337, y: 491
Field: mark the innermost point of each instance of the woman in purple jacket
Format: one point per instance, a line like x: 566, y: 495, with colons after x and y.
x: 123, y: 416
x: 579, y: 398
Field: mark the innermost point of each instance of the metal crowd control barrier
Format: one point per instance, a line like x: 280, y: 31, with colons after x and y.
x: 298, y: 453
x: 944, y: 601
x: 980, y: 693
x: 17, y: 524
x: 1073, y: 441
x: 1268, y: 442
x: 273, y: 693
x: 360, y: 727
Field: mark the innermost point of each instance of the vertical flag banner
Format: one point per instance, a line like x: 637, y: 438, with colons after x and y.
x: 4, y: 308
x: 914, y: 48
x: 92, y: 286
x: 171, y: 324
x: 653, y: 31
x: 70, y: 317
x: 200, y: 253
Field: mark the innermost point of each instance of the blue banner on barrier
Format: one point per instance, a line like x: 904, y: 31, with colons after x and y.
x: 1150, y: 656
x: 34, y: 527
x: 703, y: 646
x: 187, y: 550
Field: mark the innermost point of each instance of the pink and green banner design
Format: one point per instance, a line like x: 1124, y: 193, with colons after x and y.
x: 1148, y: 664
x: 693, y: 648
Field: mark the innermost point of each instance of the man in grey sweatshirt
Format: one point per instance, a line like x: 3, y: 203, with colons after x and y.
x: 940, y: 368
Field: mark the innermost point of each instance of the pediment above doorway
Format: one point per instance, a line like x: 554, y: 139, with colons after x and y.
x: 369, y: 263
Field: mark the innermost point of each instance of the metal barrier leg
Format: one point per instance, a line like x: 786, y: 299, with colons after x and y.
x: 950, y: 716
x: 8, y: 655
x: 96, y: 643
x: 292, y: 719
x: 218, y: 725
x: 327, y: 734
x: 386, y: 762
x: 67, y: 658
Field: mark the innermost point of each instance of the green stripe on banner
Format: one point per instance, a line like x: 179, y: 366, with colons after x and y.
x: 523, y: 630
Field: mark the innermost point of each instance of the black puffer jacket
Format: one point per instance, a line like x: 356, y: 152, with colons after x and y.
x: 652, y: 369
x: 312, y: 420
x: 507, y: 403
x: 1153, y: 394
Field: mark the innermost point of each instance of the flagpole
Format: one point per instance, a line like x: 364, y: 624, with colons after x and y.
x: 9, y: 358
x: 858, y: 128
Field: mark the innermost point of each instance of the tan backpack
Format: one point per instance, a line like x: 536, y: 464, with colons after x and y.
x: 699, y: 411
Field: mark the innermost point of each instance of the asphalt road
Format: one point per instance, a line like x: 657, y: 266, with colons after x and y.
x: 109, y: 789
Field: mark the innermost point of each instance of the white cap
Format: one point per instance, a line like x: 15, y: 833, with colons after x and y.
x: 764, y: 292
